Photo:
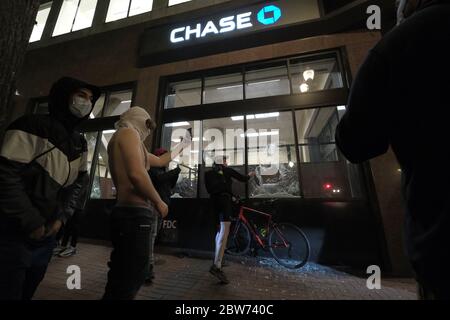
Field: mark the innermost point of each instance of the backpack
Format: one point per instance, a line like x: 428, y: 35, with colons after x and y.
x: 215, y: 182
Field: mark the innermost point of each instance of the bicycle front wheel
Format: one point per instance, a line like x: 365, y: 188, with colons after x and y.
x: 289, y: 245
x: 239, y: 240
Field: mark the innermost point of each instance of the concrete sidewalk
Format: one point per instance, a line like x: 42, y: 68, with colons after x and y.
x: 181, y: 277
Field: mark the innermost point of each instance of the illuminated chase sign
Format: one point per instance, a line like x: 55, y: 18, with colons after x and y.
x: 193, y: 35
x: 266, y: 16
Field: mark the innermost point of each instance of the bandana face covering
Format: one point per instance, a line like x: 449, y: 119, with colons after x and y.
x: 136, y: 118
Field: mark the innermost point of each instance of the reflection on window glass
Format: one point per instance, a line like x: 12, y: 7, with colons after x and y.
x: 41, y: 19
x: 315, y: 75
x: 175, y: 2
x: 119, y: 9
x: 272, y: 154
x: 324, y: 173
x: 188, y: 160
x: 85, y: 15
x: 265, y: 82
x: 316, y: 128
x: 224, y: 137
x: 102, y: 186
x: 75, y: 15
x: 183, y: 94
x: 98, y: 108
x: 223, y: 88
x: 91, y: 139
x: 118, y: 103
x: 140, y: 6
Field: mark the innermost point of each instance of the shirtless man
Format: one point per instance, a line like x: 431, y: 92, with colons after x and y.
x: 138, y: 203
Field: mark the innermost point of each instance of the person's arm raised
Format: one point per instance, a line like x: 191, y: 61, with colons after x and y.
x: 130, y: 148
x: 164, y: 160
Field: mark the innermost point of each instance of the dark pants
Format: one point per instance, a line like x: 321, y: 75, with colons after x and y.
x: 432, y: 278
x: 130, y: 233
x: 71, y: 229
x: 223, y: 206
x: 22, y: 266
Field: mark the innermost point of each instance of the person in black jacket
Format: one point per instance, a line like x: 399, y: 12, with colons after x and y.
x: 164, y: 181
x: 219, y: 183
x: 399, y: 98
x: 43, y: 161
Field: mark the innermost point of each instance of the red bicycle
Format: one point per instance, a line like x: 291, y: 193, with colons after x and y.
x: 286, y: 242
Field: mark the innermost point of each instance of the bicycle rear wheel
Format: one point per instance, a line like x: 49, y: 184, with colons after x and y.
x: 289, y: 245
x: 239, y: 240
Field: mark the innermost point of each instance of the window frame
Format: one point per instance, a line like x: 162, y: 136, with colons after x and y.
x: 73, y: 21
x: 336, y: 53
x: 43, y: 6
x: 128, y: 12
x: 290, y: 103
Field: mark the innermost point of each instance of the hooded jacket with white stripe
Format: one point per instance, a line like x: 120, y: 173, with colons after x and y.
x: 43, y: 164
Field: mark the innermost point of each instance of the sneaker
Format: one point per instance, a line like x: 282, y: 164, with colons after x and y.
x: 219, y: 274
x: 58, y: 250
x: 67, y: 252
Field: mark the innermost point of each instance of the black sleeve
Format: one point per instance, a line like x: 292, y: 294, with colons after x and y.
x: 74, y: 196
x: 18, y: 150
x: 175, y: 174
x: 166, y: 177
x: 236, y: 175
x: 363, y: 131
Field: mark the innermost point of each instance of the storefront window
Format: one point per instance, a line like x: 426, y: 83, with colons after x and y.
x: 224, y: 137
x: 117, y: 103
x: 306, y: 74
x: 119, y: 9
x: 267, y: 81
x: 272, y: 154
x: 103, y: 186
x: 41, y: 19
x: 324, y: 173
x: 188, y: 160
x: 75, y: 15
x: 315, y: 75
x: 316, y: 128
x: 183, y: 94
x: 223, y: 88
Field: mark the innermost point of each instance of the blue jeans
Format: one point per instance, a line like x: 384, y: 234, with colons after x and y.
x: 23, y: 264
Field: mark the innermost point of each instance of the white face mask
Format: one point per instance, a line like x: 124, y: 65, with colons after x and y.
x: 80, y: 107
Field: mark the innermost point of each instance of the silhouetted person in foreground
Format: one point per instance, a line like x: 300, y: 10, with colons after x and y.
x: 400, y: 98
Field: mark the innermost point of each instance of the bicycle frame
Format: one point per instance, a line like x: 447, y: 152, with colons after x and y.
x: 255, y: 235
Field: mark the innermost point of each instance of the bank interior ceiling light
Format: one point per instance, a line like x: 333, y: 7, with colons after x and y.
x: 177, y: 124
x: 308, y: 74
x: 304, y: 87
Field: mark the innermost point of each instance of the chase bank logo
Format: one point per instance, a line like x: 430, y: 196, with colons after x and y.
x: 269, y: 15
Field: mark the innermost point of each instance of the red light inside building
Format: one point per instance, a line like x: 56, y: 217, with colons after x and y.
x: 327, y: 186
